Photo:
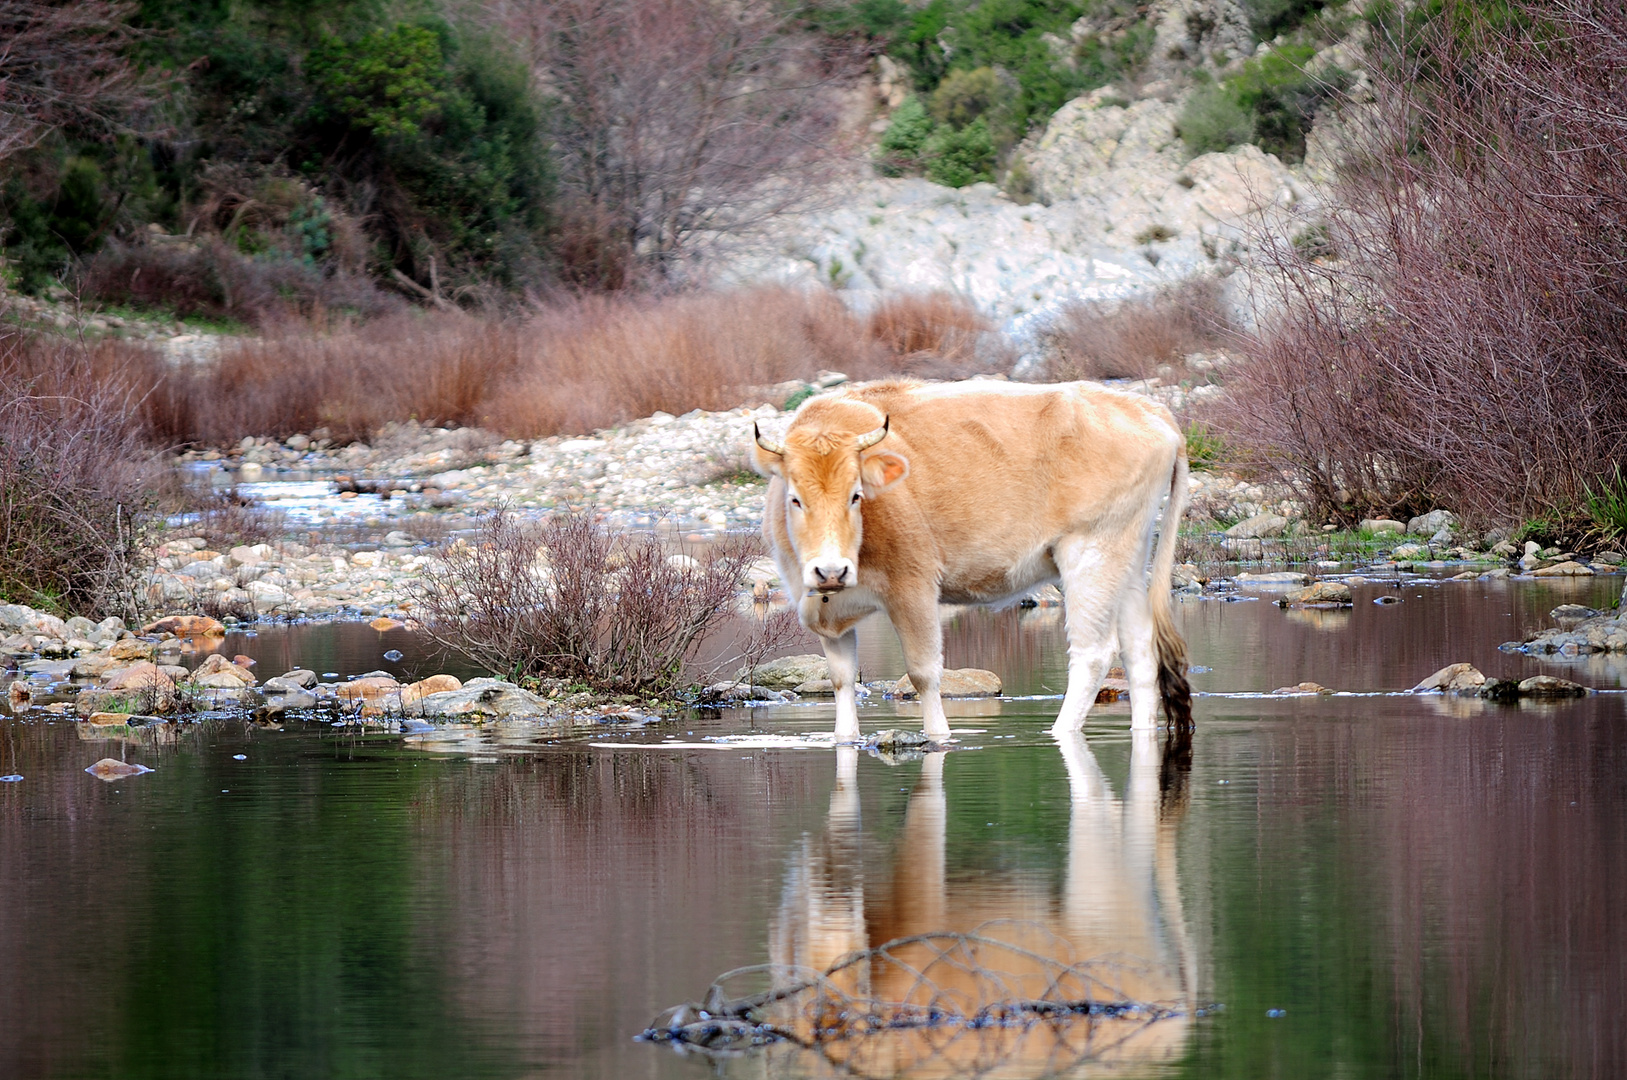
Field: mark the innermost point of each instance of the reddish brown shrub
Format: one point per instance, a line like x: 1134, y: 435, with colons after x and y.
x: 1470, y: 347
x: 1131, y: 339
x: 575, y: 366
x: 569, y: 599
x: 75, y: 473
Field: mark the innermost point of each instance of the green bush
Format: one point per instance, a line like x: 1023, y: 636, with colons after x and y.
x: 1213, y: 120
x: 390, y: 83
x: 906, y: 134
x: 957, y: 158
x: 1268, y: 18
x: 1271, y: 102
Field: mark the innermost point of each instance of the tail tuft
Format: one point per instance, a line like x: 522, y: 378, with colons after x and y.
x: 1172, y: 685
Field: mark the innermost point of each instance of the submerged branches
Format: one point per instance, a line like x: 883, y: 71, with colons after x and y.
x: 976, y: 1002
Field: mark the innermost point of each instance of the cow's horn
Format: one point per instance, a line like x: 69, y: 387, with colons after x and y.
x: 871, y: 438
x: 771, y: 447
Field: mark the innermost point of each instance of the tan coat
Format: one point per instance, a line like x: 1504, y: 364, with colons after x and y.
x: 898, y: 495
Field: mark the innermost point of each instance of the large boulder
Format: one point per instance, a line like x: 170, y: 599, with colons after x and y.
x: 1551, y: 686
x: 1258, y: 526
x: 483, y: 698
x: 957, y: 682
x: 1320, y: 593
x: 1431, y: 523
x: 1569, y: 568
x: 218, y: 673
x: 788, y: 672
x: 1453, y: 679
x: 186, y: 626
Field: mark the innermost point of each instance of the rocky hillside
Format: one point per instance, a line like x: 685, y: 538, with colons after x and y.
x: 1110, y: 197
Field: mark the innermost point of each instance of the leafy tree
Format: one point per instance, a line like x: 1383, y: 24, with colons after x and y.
x: 957, y: 158
x: 390, y: 83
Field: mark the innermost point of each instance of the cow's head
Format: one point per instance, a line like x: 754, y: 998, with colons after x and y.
x: 828, y: 473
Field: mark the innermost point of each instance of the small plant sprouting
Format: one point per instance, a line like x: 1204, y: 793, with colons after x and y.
x: 1608, y: 505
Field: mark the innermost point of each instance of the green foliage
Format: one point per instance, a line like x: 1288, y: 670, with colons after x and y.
x: 907, y: 132
x: 1204, y: 448
x: 390, y: 83
x: 957, y: 158
x: 1018, y: 51
x: 1607, y: 507
x: 963, y: 96
x: 1213, y: 120
x: 949, y: 155
x: 1268, y: 18
x: 799, y: 397
x: 1270, y: 102
x: 408, y: 139
x: 1101, y: 60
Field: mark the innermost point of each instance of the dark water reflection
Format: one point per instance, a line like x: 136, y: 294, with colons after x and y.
x: 1425, y: 890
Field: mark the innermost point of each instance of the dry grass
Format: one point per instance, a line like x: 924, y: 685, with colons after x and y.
x: 1131, y: 339
x: 571, y: 367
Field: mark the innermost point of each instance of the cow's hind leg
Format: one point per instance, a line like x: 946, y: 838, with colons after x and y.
x: 842, y: 656
x: 1092, y: 585
x: 1140, y: 657
x: 921, y: 636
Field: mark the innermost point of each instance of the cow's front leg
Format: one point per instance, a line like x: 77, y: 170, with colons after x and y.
x: 842, y: 656
x: 921, y: 635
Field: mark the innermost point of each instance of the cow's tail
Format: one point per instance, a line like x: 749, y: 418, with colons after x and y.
x: 1171, y: 648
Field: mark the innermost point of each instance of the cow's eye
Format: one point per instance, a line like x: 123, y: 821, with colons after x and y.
x: 796, y: 502
x: 855, y: 496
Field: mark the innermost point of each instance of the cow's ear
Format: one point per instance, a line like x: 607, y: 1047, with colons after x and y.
x: 767, y: 463
x: 883, y: 470
x: 766, y: 457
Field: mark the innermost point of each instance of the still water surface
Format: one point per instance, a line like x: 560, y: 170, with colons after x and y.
x: 1422, y: 887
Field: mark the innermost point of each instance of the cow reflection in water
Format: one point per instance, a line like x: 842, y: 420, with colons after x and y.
x: 1118, y: 923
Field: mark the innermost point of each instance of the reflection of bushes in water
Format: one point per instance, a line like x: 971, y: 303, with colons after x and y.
x: 570, y: 599
x: 977, y: 1002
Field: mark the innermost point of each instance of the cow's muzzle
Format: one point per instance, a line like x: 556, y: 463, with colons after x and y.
x: 830, y: 575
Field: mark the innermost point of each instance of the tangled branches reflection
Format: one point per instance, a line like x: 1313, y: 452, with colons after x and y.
x: 1006, y: 997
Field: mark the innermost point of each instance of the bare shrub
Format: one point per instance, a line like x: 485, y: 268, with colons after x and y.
x: 1471, y: 348
x: 64, y: 64
x: 1132, y: 338
x: 677, y: 120
x: 226, y: 520
x: 209, y: 278
x: 570, y: 599
x: 73, y: 475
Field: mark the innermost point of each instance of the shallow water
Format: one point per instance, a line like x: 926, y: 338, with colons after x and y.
x: 1422, y: 886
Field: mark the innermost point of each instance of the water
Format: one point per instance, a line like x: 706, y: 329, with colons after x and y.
x: 1416, y: 886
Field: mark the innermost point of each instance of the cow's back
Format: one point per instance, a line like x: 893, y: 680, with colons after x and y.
x: 999, y: 471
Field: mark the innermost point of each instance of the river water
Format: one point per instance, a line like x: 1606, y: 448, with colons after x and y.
x: 1354, y: 885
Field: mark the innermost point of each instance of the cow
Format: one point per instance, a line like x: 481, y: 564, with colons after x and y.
x: 899, y: 495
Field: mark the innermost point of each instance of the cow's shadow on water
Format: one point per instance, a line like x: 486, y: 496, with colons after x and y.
x: 927, y: 976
